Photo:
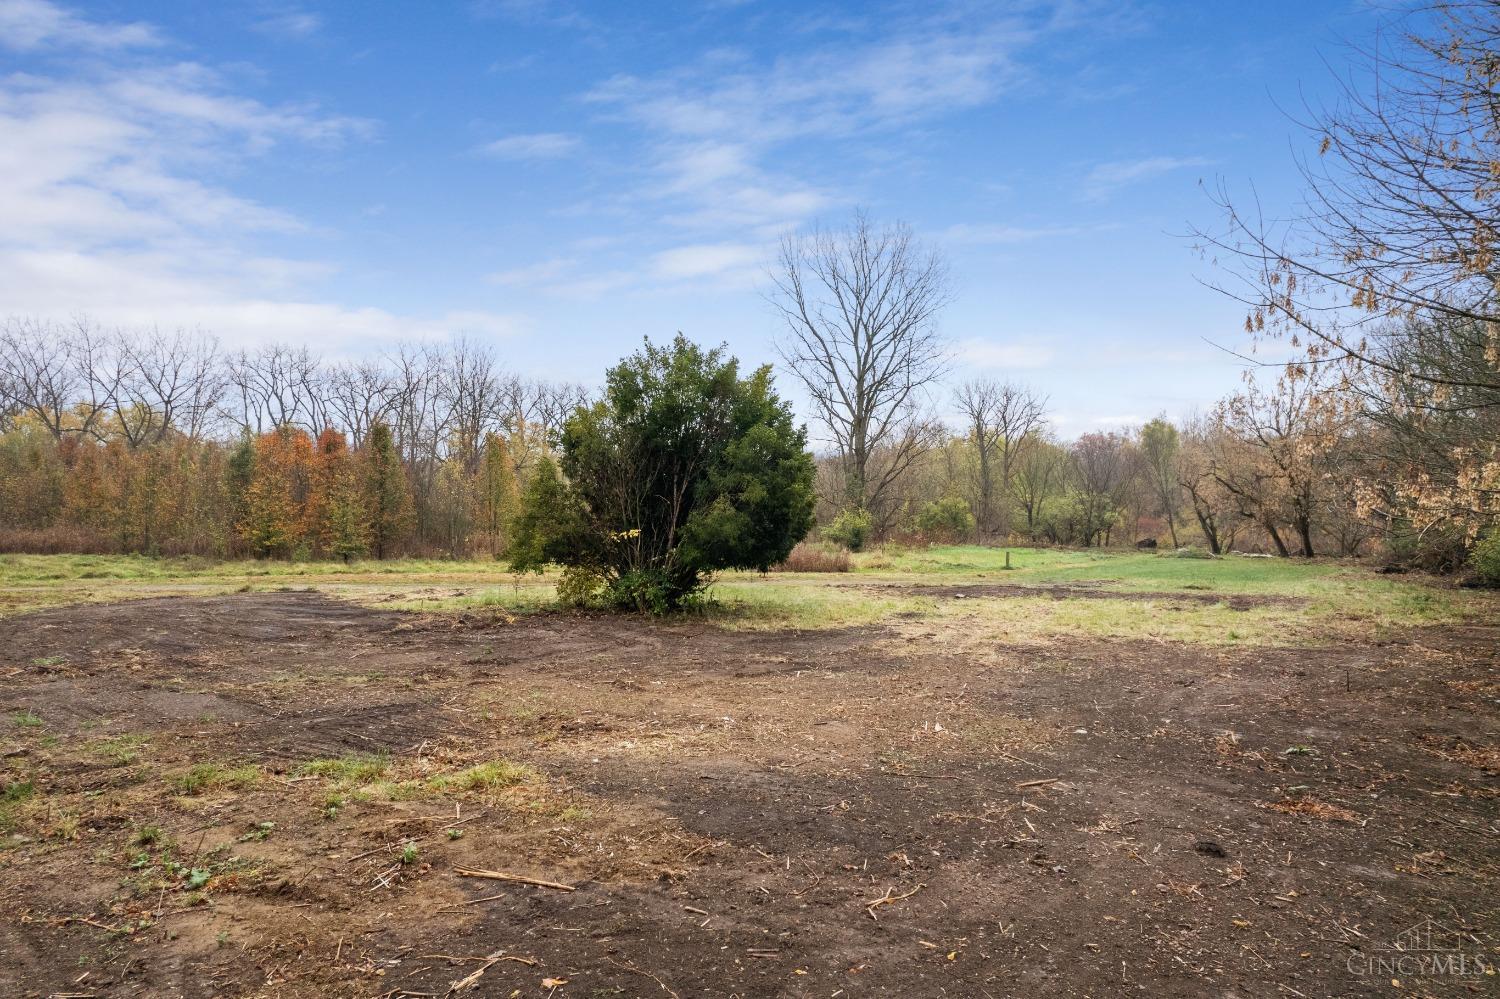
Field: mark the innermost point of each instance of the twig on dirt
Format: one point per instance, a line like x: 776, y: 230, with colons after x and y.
x: 471, y: 901
x: 926, y: 776
x: 1037, y: 783
x: 698, y: 849
x: 889, y: 899
x: 469, y: 872
x: 65, y: 920
x: 701, y: 912
x: 492, y: 959
x: 472, y: 979
x: 798, y: 894
x: 640, y: 971
x: 1017, y: 759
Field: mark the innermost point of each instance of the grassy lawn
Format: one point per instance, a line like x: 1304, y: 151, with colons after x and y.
x: 1112, y: 570
x: 1313, y: 602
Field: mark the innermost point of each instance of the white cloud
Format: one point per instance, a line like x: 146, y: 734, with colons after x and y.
x: 291, y: 23
x: 717, y: 129
x: 720, y: 265
x: 1006, y: 234
x: 242, y: 301
x: 988, y: 354
x: 532, y: 275
x: 706, y: 260
x: 26, y: 25
x: 126, y: 156
x: 113, y: 205
x: 1107, y: 178
x: 533, y: 146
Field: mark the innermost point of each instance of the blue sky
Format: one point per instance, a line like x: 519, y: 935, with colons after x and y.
x: 561, y: 179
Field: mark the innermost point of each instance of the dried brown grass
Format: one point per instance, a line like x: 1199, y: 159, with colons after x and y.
x: 815, y: 558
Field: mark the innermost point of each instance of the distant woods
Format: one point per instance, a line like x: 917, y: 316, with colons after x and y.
x: 910, y: 460
x: 162, y: 443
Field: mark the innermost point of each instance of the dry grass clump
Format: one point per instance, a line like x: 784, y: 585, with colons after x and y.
x: 1312, y: 808
x: 815, y: 558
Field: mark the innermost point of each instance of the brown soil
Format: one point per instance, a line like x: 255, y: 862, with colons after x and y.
x: 1087, y: 819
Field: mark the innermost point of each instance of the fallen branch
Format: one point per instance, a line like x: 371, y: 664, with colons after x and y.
x: 630, y: 967
x: 472, y: 901
x: 889, y: 899
x: 472, y: 979
x: 1037, y: 783
x: 469, y: 872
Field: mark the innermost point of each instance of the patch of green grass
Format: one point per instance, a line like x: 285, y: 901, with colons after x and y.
x: 485, y: 776
x: 121, y: 750
x: 13, y: 797
x: 1125, y: 570
x: 214, y: 777
x: 1036, y: 619
x: 27, y: 719
x: 149, y: 835
x: 31, y: 582
x: 354, y: 769
x: 781, y: 601
x: 523, y: 597
x: 16, y: 792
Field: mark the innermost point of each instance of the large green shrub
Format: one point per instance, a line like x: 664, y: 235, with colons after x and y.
x: 850, y: 528
x: 947, y: 519
x: 682, y: 469
x: 1485, y: 558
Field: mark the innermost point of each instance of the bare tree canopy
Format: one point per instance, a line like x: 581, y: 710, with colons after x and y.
x: 1402, y: 218
x: 860, y: 306
x: 1389, y: 280
x: 1001, y: 417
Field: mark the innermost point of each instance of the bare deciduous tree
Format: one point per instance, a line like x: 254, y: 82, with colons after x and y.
x: 37, y: 372
x: 1390, y: 275
x: 274, y: 386
x: 1002, y: 418
x: 859, y: 307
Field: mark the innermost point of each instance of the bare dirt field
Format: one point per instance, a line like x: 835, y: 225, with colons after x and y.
x: 277, y: 794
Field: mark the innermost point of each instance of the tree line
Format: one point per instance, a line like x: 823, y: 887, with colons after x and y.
x: 143, y: 441
x: 159, y: 443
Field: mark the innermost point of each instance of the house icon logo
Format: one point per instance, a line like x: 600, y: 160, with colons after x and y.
x: 1424, y: 936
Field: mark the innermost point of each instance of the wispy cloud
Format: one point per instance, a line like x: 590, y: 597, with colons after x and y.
x: 552, y: 13
x: 531, y: 146
x: 707, y: 260
x: 1107, y: 178
x: 534, y: 275
x: 293, y: 23
x: 117, y: 200
x: 1006, y: 234
x: 720, y: 265
x: 716, y: 127
x: 980, y: 353
x: 34, y: 24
